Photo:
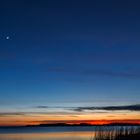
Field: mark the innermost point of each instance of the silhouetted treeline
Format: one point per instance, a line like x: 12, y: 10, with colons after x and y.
x: 85, y: 124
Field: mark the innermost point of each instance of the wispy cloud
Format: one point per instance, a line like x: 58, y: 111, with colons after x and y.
x: 110, y: 108
x: 41, y: 107
x: 39, y: 113
x: 60, y: 110
x: 96, y: 108
x: 11, y: 114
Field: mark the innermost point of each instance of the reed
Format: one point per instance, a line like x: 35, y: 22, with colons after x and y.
x: 117, y: 133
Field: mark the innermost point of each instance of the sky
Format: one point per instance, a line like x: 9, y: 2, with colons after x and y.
x: 69, y: 61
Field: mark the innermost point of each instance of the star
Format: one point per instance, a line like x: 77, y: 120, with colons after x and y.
x: 7, y: 37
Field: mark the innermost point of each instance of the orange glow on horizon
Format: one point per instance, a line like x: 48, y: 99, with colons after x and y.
x: 99, y: 118
x: 91, y: 122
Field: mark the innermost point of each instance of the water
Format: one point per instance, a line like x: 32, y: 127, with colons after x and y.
x: 46, y: 133
x: 50, y: 133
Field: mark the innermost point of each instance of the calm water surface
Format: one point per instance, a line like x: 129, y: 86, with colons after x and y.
x: 46, y: 133
x: 47, y: 136
x: 49, y: 133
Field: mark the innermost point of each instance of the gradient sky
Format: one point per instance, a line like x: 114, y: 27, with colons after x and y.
x: 58, y: 55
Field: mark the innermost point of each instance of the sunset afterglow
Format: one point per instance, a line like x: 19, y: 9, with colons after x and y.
x: 69, y: 61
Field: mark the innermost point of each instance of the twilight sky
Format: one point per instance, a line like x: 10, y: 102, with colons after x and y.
x: 69, y: 60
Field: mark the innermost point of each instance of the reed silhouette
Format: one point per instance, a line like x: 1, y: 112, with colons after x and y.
x: 117, y: 133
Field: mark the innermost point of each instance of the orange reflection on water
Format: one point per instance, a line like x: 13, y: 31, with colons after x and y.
x: 48, y: 136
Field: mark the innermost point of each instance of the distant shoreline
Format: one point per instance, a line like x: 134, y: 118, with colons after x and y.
x: 70, y: 125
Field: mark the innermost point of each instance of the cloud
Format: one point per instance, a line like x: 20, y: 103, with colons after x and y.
x: 73, y: 111
x: 129, y: 107
x: 97, y: 109
x: 110, y: 108
x: 41, y: 107
x: 38, y: 113
x: 11, y: 114
x: 52, y: 107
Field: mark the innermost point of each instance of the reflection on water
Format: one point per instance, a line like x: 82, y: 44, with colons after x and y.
x: 63, y: 133
x: 47, y: 136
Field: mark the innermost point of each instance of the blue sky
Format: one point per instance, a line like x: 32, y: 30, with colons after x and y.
x: 69, y: 52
